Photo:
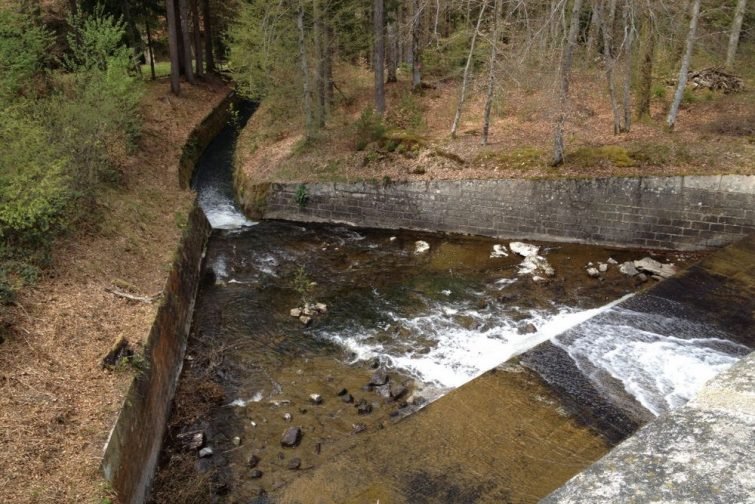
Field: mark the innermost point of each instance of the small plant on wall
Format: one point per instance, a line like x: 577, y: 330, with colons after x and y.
x: 302, y: 196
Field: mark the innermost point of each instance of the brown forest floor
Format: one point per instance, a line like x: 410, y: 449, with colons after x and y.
x: 715, y: 134
x: 57, y: 405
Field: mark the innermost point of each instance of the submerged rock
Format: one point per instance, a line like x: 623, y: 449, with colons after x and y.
x: 347, y: 398
x: 206, y: 452
x: 364, y: 408
x: 294, y: 464
x: 315, y: 398
x: 291, y: 437
x: 380, y: 377
x: 527, y: 329
x: 593, y: 272
x: 398, y: 391
x: 295, y: 312
x: 252, y: 461
x: 255, y: 474
x: 358, y: 428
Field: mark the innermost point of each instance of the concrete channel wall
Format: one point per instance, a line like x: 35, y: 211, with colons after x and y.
x: 131, y: 452
x: 680, y: 213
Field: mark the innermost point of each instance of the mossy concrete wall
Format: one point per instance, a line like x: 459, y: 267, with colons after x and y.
x: 131, y: 451
x: 681, y: 213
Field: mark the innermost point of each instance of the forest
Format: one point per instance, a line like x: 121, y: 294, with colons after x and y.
x: 73, y: 73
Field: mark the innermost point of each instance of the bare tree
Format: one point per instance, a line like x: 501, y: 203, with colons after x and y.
x: 682, y: 84
x: 610, y: 62
x: 198, y: 52
x: 175, y: 82
x: 567, y: 57
x: 491, y: 71
x: 378, y: 18
x: 628, y: 16
x: 208, y: 35
x: 463, y: 90
x: 416, y: 16
x: 594, y: 30
x: 645, y: 85
x: 308, y: 115
x: 320, y: 67
x: 184, y: 17
x: 736, y: 29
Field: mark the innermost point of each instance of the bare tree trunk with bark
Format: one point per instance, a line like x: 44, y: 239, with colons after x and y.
x: 184, y: 15
x: 392, y: 52
x: 208, y: 35
x: 594, y: 30
x: 463, y: 90
x: 491, y: 70
x: 378, y: 25
x: 416, y: 63
x: 567, y: 57
x: 175, y: 82
x: 645, y: 86
x: 682, y: 84
x: 198, y: 52
x: 610, y: 63
x: 736, y: 29
x: 628, y: 16
x: 150, y: 50
x: 308, y: 115
x: 321, y: 78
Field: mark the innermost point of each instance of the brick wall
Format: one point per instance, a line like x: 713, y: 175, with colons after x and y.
x: 684, y: 213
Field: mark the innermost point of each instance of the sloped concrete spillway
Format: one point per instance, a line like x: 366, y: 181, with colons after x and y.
x: 407, y: 319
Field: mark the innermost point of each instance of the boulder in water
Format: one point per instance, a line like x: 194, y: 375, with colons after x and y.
x: 421, y: 246
x: 653, y: 267
x: 628, y: 269
x: 291, y: 437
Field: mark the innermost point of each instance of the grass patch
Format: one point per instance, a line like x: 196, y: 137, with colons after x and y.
x: 519, y: 158
x: 612, y: 155
x: 162, y: 69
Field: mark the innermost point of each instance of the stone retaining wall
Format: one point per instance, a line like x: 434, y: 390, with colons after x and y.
x: 133, y: 447
x: 682, y: 213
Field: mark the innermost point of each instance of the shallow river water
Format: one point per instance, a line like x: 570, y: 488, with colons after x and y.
x: 429, y: 311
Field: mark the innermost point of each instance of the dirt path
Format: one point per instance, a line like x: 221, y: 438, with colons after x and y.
x: 56, y: 403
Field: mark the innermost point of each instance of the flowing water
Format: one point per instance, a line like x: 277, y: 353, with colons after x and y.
x: 434, y: 311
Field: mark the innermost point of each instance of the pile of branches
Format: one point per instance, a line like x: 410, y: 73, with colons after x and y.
x: 715, y: 79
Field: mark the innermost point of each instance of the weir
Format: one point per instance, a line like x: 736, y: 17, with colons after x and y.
x: 561, y: 369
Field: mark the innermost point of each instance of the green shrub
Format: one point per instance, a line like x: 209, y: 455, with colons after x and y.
x: 369, y: 128
x: 24, y: 50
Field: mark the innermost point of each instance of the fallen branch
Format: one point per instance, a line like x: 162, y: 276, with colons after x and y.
x: 132, y: 297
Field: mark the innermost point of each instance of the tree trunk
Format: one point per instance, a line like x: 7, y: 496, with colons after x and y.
x: 184, y: 10
x: 208, y: 36
x: 610, y: 63
x: 491, y: 72
x: 565, y: 74
x: 198, y: 52
x: 378, y: 26
x: 175, y: 83
x: 416, y: 63
x: 645, y: 86
x: 150, y: 50
x: 736, y: 29
x: 308, y: 116
x: 690, y: 46
x: 628, y: 15
x: 319, y: 65
x: 463, y: 91
x: 180, y: 39
x: 392, y: 52
x: 592, y: 35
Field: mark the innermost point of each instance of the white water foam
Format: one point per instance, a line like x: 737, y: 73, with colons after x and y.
x: 451, y: 354
x: 661, y: 372
x: 222, y: 213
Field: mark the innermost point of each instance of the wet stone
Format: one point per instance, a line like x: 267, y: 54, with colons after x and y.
x: 315, y: 398
x: 383, y: 391
x: 205, y: 452
x: 348, y: 398
x: 358, y: 428
x: 294, y: 464
x: 398, y: 391
x: 364, y: 408
x: 342, y: 392
x: 379, y: 378
x: 287, y: 417
x: 253, y: 461
x: 255, y: 474
x: 291, y: 437
x: 527, y: 329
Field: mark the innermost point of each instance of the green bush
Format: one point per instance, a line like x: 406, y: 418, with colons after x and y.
x: 24, y: 51
x: 369, y: 128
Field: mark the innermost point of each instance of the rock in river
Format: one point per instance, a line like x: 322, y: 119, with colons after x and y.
x: 291, y: 437
x: 653, y: 267
x: 524, y: 249
x: 379, y: 378
x: 294, y: 464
